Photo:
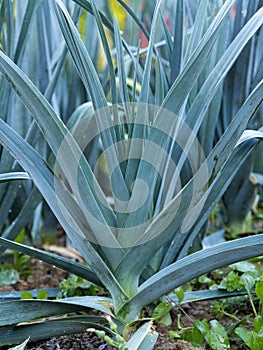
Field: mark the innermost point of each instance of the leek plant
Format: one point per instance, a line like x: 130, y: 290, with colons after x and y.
x: 14, y: 31
x: 240, y: 81
x: 25, y: 25
x: 163, y: 185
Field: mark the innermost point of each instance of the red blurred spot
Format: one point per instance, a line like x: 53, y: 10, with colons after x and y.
x: 143, y: 39
x: 168, y: 22
x: 233, y: 11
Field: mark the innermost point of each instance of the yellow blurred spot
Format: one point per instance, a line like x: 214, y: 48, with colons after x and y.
x: 120, y: 13
x: 82, y: 25
x: 130, y: 83
x: 101, y: 58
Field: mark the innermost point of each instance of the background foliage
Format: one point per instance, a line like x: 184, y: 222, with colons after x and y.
x: 105, y: 65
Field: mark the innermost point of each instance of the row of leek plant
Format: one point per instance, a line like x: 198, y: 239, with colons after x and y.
x: 25, y: 25
x: 163, y: 186
x: 239, y: 82
x: 242, y: 192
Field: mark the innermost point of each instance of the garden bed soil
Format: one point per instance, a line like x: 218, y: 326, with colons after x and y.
x: 46, y: 276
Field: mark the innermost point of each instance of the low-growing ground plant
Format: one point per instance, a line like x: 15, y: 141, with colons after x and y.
x: 162, y: 186
x: 240, y: 329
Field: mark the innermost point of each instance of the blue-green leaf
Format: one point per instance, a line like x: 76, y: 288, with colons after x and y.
x: 14, y: 176
x: 21, y: 346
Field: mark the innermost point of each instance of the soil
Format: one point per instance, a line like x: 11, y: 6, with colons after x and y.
x: 46, y: 276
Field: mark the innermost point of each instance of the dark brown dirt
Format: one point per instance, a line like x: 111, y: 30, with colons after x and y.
x: 46, y: 276
x: 86, y: 341
x: 43, y: 276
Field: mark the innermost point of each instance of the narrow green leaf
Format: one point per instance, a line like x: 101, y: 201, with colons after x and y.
x: 87, y: 6
x: 192, y: 266
x: 249, y: 134
x: 144, y: 95
x: 114, y: 95
x: 27, y: 310
x: 70, y: 156
x: 149, y: 341
x: 53, y: 328
x: 8, y: 201
x: 203, y: 47
x: 21, y: 346
x: 136, y: 342
x: 121, y: 72
x: 159, y: 83
x: 198, y: 29
x: 34, y: 198
x: 81, y: 58
x: 215, y: 162
x: 32, y: 6
x: 91, y: 81
x: 31, y: 203
x: 59, y: 261
x: 44, y: 180
x: 14, y: 176
x: 142, y: 117
x: 178, y: 42
x: 10, y: 40
x: 135, y: 18
x: 168, y: 38
x: 205, y: 295
x: 212, y: 83
x: 182, y: 85
x: 50, y: 124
